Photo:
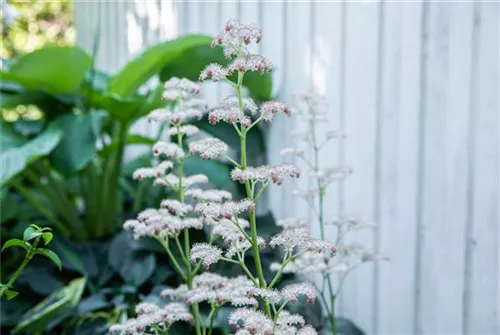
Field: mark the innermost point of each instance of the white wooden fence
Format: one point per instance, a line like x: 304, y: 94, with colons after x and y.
x: 416, y: 87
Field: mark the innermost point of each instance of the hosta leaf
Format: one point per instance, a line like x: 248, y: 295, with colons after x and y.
x: 135, y: 267
x: 53, y: 69
x: 137, y: 72
x: 193, y: 61
x: 15, y: 160
x: 77, y: 146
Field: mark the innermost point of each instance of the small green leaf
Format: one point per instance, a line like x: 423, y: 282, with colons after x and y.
x: 50, y: 255
x: 31, y: 233
x: 16, y: 243
x: 47, y: 237
x: 10, y: 294
x: 139, y: 139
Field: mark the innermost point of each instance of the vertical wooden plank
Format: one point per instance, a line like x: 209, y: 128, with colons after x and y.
x: 327, y: 80
x: 444, y: 181
x: 360, y: 119
x: 298, y: 78
x: 483, y: 309
x: 249, y: 13
x: 210, y: 26
x: 195, y: 15
x: 429, y: 318
x: 273, y: 46
x: 400, y: 107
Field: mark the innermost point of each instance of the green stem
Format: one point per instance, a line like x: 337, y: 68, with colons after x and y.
x: 27, y: 259
x: 211, y: 318
x: 172, y: 258
x: 331, y: 315
x: 282, y: 268
x: 190, y: 274
x: 250, y: 195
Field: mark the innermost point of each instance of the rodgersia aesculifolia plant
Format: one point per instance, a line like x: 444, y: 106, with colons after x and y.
x: 260, y: 308
x: 312, y: 110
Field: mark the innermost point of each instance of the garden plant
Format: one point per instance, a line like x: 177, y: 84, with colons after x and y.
x: 261, y: 308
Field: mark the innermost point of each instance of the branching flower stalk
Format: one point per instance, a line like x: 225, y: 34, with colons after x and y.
x: 167, y: 223
x: 216, y: 211
x: 312, y: 110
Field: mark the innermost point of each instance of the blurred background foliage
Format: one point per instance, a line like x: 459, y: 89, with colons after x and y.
x: 33, y: 24
x: 28, y: 25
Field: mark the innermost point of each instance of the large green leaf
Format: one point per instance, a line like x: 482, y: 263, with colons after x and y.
x: 77, y: 146
x: 134, y: 266
x: 52, y: 307
x: 15, y: 160
x: 124, y: 109
x: 10, y: 138
x: 191, y: 62
x: 53, y: 69
x: 152, y: 61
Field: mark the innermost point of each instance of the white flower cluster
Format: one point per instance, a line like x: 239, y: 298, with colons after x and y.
x: 209, y: 148
x: 171, y: 150
x: 179, y: 89
x: 209, y: 195
x: 291, y: 223
x: 300, y: 238
x: 289, y: 293
x: 329, y: 175
x: 228, y: 210
x: 208, y: 254
x: 171, y: 180
x: 251, y: 322
x: 160, y: 223
x: 162, y: 114
x: 149, y: 314
x: 152, y: 172
x: 217, y: 290
x: 236, y: 34
x: 187, y: 130
x: 314, y: 106
x: 176, y: 207
x: 182, y: 92
x: 266, y: 173
x: 231, y: 232
x: 229, y: 111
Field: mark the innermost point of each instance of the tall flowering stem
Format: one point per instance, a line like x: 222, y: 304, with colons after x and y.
x: 215, y: 210
x: 312, y: 109
x: 167, y: 223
